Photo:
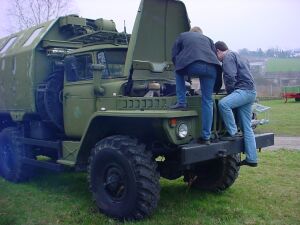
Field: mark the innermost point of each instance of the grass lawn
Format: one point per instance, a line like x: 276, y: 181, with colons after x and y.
x: 284, y: 118
x: 283, y: 65
x: 269, y: 194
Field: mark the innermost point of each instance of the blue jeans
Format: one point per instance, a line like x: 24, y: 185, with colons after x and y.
x: 207, y: 74
x: 241, y: 100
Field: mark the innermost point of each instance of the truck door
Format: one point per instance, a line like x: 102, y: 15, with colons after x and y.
x: 78, y: 95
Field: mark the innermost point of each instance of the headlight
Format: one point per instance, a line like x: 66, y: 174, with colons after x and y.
x: 182, y: 130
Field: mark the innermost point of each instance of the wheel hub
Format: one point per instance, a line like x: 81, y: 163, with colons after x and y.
x: 114, y: 183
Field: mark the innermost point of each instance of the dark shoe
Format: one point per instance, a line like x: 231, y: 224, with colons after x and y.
x: 231, y: 138
x: 245, y: 163
x: 202, y: 141
x: 178, y: 106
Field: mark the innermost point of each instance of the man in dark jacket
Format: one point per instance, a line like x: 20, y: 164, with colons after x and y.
x: 194, y: 54
x: 239, y: 85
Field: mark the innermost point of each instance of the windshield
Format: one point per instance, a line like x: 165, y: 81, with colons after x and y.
x: 77, y: 67
x: 113, y: 61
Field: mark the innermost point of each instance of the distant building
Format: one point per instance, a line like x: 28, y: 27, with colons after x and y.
x: 258, y: 68
x: 296, y: 53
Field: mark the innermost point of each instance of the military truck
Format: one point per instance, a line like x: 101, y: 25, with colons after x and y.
x: 77, y: 94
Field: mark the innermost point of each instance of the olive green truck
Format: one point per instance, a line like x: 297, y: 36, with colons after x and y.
x: 75, y: 93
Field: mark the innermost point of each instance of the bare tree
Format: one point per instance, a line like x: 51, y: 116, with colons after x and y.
x: 27, y: 13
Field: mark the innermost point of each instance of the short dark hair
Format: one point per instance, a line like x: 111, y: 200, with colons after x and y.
x: 220, y: 45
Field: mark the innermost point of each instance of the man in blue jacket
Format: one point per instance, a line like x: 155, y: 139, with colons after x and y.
x: 239, y: 85
x: 194, y: 54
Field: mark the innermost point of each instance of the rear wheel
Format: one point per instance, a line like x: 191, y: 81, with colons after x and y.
x: 12, y: 152
x: 214, y: 175
x: 123, y: 178
x: 5, y: 121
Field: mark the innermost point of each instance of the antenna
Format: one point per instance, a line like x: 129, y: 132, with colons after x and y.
x: 125, y: 32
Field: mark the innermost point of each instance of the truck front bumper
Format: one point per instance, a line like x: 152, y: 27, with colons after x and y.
x: 194, y: 153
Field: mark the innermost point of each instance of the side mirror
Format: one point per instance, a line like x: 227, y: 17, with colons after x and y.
x: 97, y: 67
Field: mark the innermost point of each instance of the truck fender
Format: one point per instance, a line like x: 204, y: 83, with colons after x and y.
x: 127, y: 122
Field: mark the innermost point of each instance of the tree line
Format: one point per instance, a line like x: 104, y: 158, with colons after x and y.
x: 23, y: 14
x: 271, y: 52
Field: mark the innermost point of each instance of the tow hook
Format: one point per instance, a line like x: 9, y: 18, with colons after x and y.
x: 222, y: 153
x: 191, y: 181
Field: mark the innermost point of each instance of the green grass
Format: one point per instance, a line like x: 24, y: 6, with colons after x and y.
x: 269, y: 194
x: 283, y: 65
x: 284, y: 118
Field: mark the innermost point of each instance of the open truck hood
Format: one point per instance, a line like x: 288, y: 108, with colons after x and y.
x: 157, y: 25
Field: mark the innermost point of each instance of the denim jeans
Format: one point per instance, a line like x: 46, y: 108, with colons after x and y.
x: 241, y: 100
x: 207, y: 74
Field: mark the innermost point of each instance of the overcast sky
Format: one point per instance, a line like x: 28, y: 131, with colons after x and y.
x: 248, y: 24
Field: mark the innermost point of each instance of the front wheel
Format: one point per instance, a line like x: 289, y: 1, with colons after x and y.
x: 214, y: 175
x: 123, y: 178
